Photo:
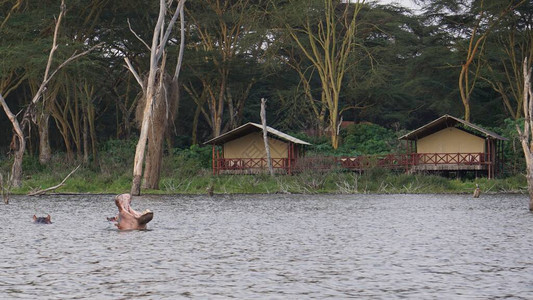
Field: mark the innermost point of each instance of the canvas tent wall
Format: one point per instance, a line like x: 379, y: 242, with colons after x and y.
x: 243, y: 150
x: 449, y: 143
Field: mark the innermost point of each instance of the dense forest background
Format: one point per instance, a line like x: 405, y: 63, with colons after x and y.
x: 401, y: 71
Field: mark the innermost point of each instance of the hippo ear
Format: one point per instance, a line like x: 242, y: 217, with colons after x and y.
x: 145, y: 218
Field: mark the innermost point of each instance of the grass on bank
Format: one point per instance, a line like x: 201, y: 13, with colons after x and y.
x: 88, y: 180
x: 187, y: 171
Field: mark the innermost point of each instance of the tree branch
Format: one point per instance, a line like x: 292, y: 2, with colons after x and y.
x: 43, y: 191
x: 130, y: 67
x: 137, y: 36
x: 182, y: 41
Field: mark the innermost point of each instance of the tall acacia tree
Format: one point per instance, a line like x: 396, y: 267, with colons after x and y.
x: 327, y: 40
x: 153, y: 88
x: 510, y: 45
x: 471, y: 22
x: 24, y: 30
x: 29, y: 112
x: 227, y: 42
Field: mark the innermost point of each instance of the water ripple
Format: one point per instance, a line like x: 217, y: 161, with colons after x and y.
x: 271, y: 246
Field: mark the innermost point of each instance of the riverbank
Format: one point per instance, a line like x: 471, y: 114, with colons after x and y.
x: 188, y: 172
x: 374, y: 181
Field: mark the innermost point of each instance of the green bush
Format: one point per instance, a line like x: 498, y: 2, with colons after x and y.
x: 314, y: 140
x: 189, y: 162
x: 31, y: 164
x: 512, y: 150
x: 116, y: 157
x: 118, y: 151
x: 200, y: 154
x: 367, y: 139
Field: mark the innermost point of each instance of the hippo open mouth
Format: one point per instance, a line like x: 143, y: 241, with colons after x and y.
x: 128, y: 218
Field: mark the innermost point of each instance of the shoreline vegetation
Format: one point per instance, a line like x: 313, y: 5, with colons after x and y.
x: 188, y: 172
x: 327, y: 183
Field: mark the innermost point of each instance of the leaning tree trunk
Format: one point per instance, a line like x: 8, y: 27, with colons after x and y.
x: 16, y: 168
x: 141, y: 144
x: 19, y: 146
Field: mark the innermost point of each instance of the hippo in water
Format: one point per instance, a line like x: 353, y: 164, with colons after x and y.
x: 128, y: 218
x: 42, y: 220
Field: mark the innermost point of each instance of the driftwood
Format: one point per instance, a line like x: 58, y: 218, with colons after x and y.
x: 43, y: 191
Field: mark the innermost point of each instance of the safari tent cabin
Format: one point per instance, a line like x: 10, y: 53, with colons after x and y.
x: 242, y: 150
x: 451, y: 144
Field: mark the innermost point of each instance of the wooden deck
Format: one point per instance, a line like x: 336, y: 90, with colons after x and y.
x: 412, y: 162
x: 250, y: 165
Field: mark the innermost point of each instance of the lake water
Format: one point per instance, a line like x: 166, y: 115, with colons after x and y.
x: 270, y: 247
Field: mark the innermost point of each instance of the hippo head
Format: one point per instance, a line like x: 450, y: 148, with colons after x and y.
x: 128, y: 218
x: 42, y: 220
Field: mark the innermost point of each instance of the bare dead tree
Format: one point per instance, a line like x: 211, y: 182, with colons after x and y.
x: 154, y: 84
x: 525, y: 134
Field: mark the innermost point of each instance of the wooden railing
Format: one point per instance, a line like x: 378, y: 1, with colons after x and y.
x: 449, y: 158
x: 391, y: 161
x: 363, y: 162
x: 250, y: 163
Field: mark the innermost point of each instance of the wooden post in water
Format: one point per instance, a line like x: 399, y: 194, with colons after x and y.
x: 265, y: 136
x: 289, y: 155
x: 213, y: 164
x: 219, y: 163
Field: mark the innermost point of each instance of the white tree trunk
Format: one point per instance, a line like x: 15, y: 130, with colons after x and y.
x: 15, y: 178
x: 159, y: 41
x: 265, y: 136
x: 525, y: 134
